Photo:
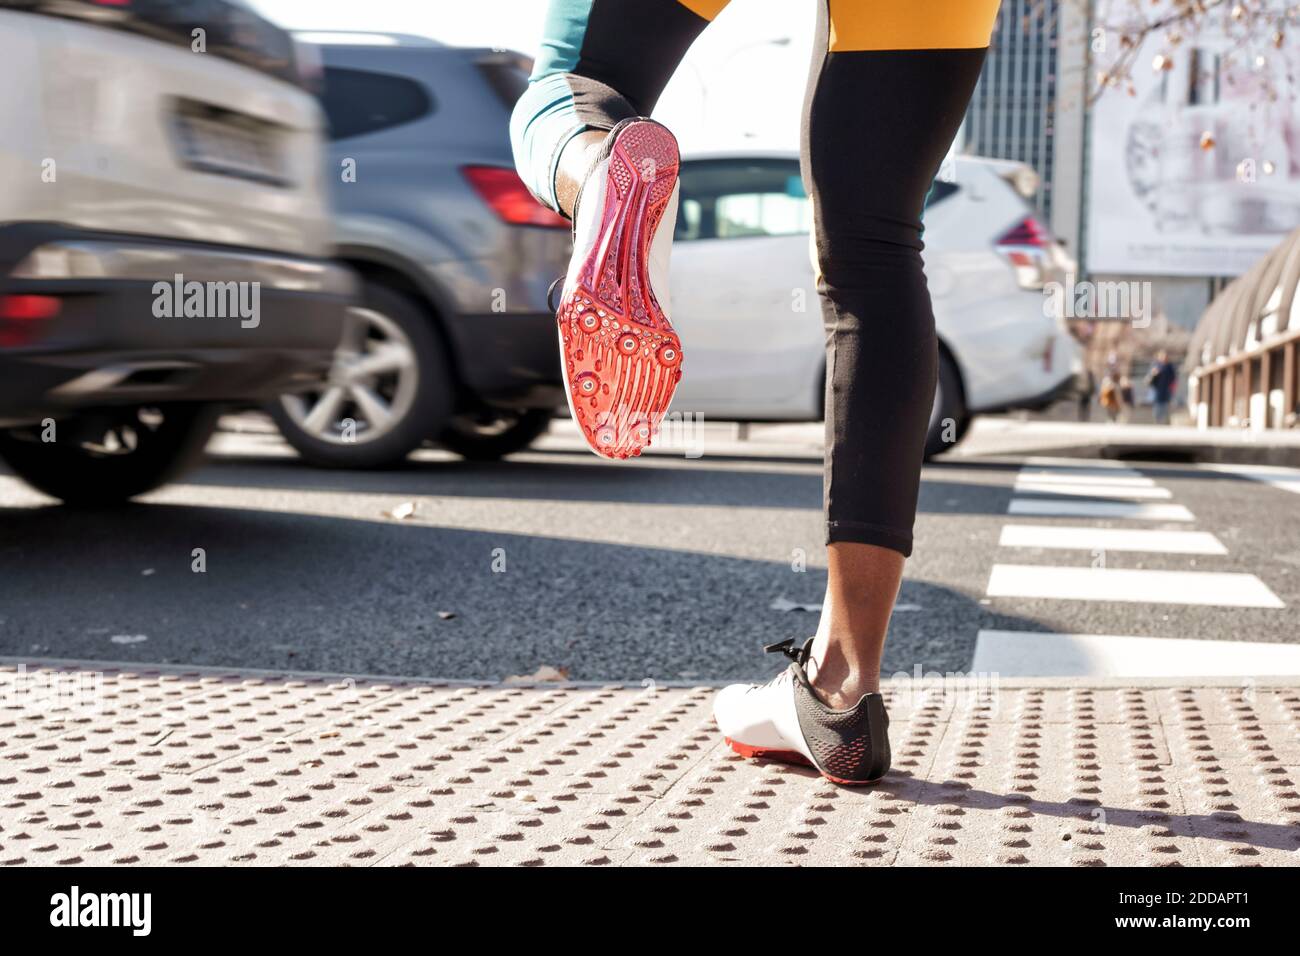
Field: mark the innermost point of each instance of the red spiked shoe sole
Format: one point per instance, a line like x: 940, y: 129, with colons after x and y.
x: 622, y: 359
x: 790, y: 757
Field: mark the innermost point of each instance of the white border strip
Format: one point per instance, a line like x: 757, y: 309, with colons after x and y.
x: 1034, y: 654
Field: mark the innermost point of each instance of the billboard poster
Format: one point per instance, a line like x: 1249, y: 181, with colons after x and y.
x: 1194, y: 152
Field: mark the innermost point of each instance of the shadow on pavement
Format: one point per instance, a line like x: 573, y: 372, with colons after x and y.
x: 369, y: 596
x: 641, y: 483
x: 1093, y: 818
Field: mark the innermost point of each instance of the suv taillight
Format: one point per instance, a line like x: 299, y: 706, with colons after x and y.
x: 505, y: 192
x: 21, y: 315
x: 1027, y: 246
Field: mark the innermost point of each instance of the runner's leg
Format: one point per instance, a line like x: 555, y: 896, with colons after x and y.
x: 890, y: 83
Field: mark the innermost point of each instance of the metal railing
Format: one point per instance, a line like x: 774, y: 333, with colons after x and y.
x: 1255, y: 388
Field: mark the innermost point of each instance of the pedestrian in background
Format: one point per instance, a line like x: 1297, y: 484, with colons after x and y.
x: 1110, y: 400
x: 1163, y: 380
x: 1127, y: 398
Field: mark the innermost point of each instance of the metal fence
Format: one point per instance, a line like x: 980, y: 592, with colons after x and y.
x: 1242, y: 361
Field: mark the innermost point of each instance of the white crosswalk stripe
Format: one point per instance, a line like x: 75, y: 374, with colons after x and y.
x: 1062, y: 537
x: 1085, y: 508
x: 1101, y: 476
x: 1035, y: 654
x: 1205, y: 588
x: 1025, y: 486
x: 1089, y: 478
x: 1048, y: 488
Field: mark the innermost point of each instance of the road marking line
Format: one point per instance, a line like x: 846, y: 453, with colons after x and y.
x: 1082, y: 508
x: 1090, y: 491
x: 1034, y: 654
x: 1287, y: 479
x: 1074, y: 464
x: 1110, y: 539
x: 1202, y: 588
x: 1107, y: 476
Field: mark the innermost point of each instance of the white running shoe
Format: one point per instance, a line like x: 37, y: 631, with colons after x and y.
x: 785, y: 720
x: 621, y: 358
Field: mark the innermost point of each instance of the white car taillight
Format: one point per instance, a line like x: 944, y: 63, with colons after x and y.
x: 1027, y: 246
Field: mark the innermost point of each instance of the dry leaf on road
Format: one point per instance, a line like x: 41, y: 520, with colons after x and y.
x: 543, y: 673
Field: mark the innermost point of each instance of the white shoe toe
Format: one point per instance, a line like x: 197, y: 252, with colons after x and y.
x: 750, y: 715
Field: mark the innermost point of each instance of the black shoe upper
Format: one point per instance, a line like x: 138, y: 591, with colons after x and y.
x: 850, y: 744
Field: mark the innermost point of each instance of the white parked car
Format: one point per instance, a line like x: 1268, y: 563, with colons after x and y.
x: 744, y: 301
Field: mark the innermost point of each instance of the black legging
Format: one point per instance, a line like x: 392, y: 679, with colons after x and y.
x: 889, y: 85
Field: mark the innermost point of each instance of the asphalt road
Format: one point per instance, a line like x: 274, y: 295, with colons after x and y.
x: 667, y: 568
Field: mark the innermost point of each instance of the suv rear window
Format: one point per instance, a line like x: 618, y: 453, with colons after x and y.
x: 358, y: 102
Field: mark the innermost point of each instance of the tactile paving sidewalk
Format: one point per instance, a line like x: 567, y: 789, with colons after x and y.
x: 214, y: 768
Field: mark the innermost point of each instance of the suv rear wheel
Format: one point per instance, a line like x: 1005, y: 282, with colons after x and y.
x: 105, y: 457
x: 388, y: 390
x: 489, y: 435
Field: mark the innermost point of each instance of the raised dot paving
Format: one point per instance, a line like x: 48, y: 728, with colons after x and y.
x: 163, y: 765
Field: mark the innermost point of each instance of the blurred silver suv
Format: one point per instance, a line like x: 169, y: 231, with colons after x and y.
x: 453, y: 342
x: 163, y: 228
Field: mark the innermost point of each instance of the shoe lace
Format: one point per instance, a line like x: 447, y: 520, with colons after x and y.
x: 787, y: 647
